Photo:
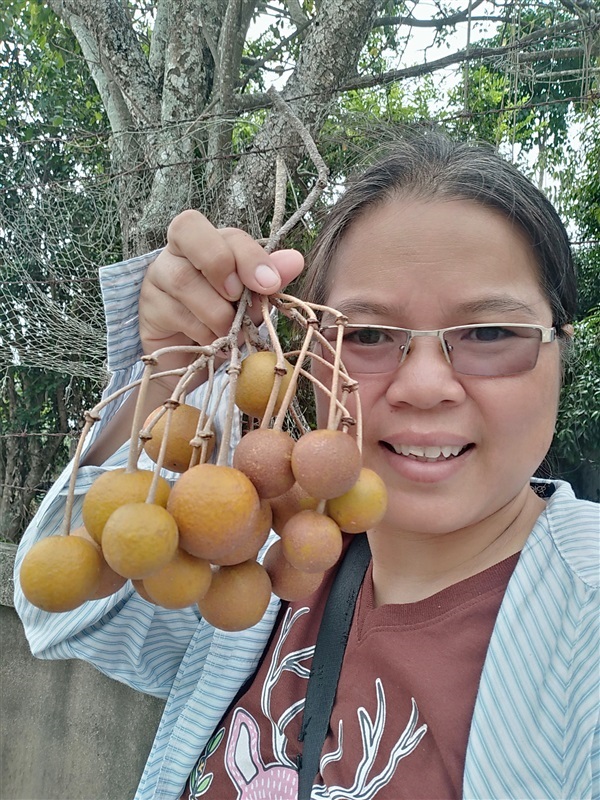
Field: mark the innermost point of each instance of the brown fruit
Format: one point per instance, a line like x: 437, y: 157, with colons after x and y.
x: 216, y: 509
x: 60, y: 573
x: 326, y: 463
x: 139, y: 539
x: 255, y: 382
x: 138, y: 585
x: 182, y: 429
x: 115, y: 488
x: 287, y: 582
x: 180, y: 583
x: 110, y: 581
x: 291, y: 502
x: 311, y: 542
x: 264, y: 455
x: 362, y: 506
x: 238, y: 596
x: 250, y: 547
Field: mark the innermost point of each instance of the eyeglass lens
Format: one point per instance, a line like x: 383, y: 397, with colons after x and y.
x: 493, y: 351
x: 485, y: 351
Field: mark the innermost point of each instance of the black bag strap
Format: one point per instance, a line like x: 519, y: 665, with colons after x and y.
x: 327, y: 659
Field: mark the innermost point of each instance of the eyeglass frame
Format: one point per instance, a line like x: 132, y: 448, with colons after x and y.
x: 548, y: 335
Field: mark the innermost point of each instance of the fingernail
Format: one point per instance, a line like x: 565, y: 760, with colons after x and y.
x: 233, y: 286
x: 266, y: 277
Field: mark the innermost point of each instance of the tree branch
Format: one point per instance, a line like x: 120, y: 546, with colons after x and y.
x: 297, y: 15
x: 211, y: 14
x: 188, y: 67
x: 233, y: 33
x: 473, y: 53
x: 331, y: 48
x: 158, y: 43
x: 441, y: 22
x: 259, y: 63
x: 250, y: 102
x: 551, y: 55
x: 112, y: 99
x: 115, y: 38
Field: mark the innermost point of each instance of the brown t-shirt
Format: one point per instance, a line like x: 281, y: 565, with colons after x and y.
x: 403, y: 708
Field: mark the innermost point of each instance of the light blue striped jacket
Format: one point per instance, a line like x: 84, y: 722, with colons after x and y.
x: 535, y: 731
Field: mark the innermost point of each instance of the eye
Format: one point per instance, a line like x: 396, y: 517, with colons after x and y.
x: 488, y: 334
x: 367, y: 336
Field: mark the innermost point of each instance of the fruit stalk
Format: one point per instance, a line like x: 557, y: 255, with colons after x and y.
x: 280, y: 370
x: 90, y: 418
x: 138, y: 414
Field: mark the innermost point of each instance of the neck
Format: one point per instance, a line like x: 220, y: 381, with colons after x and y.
x: 409, y: 566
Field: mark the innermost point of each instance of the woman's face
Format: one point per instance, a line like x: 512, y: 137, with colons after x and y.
x: 430, y: 265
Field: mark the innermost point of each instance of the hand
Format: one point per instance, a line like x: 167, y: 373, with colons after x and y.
x: 189, y: 291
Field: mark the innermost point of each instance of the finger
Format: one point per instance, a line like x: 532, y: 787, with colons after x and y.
x: 227, y: 257
x: 289, y: 264
x: 174, y: 294
x: 260, y: 272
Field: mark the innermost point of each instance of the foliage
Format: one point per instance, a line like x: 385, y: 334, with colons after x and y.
x: 40, y: 415
x: 521, y: 101
x: 53, y: 133
x: 52, y: 118
x: 577, y: 441
x: 578, y: 430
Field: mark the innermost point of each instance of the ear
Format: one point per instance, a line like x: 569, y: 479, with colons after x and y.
x: 569, y: 330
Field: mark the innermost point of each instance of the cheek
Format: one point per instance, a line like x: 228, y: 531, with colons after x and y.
x: 521, y: 418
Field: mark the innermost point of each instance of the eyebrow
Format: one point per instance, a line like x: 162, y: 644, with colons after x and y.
x: 359, y: 307
x: 500, y: 304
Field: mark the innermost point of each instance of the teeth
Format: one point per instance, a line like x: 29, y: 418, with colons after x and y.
x: 430, y: 453
x: 448, y: 451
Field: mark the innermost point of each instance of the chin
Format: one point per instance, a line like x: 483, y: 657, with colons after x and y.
x: 421, y: 516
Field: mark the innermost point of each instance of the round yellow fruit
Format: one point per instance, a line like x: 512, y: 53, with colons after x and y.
x: 287, y: 582
x: 250, y: 547
x: 311, y: 542
x: 182, y: 429
x: 180, y: 583
x: 264, y: 455
x: 60, y: 573
x: 110, y: 581
x: 139, y: 539
x: 238, y: 596
x: 289, y: 503
x: 255, y: 382
x: 216, y: 508
x: 362, y: 506
x: 116, y: 488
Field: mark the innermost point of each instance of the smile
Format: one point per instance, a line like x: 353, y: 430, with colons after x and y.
x: 431, y: 453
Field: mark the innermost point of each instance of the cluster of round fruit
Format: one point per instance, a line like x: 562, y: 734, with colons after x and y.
x: 197, y: 542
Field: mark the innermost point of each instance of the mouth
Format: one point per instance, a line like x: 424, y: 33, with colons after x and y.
x: 430, y: 454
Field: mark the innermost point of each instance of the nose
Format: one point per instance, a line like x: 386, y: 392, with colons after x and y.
x: 425, y: 378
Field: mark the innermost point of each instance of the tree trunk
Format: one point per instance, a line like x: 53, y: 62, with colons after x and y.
x: 328, y: 57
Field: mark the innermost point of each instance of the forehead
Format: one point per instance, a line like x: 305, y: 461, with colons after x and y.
x: 442, y: 256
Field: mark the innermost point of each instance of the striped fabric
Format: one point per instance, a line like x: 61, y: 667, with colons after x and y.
x: 535, y: 730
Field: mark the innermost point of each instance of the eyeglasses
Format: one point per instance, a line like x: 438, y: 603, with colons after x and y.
x: 492, y: 349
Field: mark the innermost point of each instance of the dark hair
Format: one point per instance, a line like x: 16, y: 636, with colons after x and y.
x: 429, y: 166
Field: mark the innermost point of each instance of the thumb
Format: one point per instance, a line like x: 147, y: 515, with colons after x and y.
x: 289, y: 264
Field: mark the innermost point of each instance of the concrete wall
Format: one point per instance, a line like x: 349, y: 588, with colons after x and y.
x: 66, y: 731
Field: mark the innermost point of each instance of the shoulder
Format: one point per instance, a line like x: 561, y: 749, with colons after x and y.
x: 571, y: 527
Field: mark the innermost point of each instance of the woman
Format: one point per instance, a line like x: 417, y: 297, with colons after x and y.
x: 471, y: 665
